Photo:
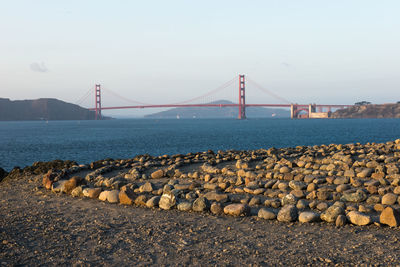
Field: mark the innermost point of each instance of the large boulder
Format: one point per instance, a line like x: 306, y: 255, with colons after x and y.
x: 113, y: 196
x: 390, y: 216
x: 266, y: 214
x: 126, y: 196
x: 103, y: 195
x: 308, y: 217
x: 332, y: 213
x: 289, y: 199
x: 167, y: 201
x: 297, y: 185
x: 91, y: 192
x: 157, y: 174
x: 341, y: 180
x: 357, y: 196
x: 146, y: 187
x: 364, y: 173
x: 237, y: 209
x: 288, y: 213
x: 389, y: 199
x: 185, y: 206
x: 359, y: 218
x: 216, y: 208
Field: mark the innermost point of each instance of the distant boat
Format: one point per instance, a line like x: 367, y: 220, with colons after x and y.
x: 273, y: 115
x: 178, y: 117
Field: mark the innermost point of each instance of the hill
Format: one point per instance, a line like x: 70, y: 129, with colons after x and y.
x: 42, y: 109
x: 217, y: 112
x: 369, y: 111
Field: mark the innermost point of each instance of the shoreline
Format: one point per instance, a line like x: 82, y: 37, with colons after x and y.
x: 318, y: 180
x: 334, y: 195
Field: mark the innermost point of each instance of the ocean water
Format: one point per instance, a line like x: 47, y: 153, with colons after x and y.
x: 23, y: 143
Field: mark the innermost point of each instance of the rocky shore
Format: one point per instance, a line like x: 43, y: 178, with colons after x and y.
x: 354, y: 183
x: 291, y: 204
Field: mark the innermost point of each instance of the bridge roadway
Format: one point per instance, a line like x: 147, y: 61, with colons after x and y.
x: 295, y: 109
x: 222, y: 105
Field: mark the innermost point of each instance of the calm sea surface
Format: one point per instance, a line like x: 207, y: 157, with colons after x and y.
x: 22, y: 143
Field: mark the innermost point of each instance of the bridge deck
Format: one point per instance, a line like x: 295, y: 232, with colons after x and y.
x: 220, y: 105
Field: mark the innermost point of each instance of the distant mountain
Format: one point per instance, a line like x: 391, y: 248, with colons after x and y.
x: 217, y: 112
x: 42, y: 109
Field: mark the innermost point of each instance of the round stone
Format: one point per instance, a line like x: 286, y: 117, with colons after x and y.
x: 216, y: 208
x: 287, y: 213
x: 284, y: 169
x: 266, y: 214
x: 289, y: 199
x: 167, y: 201
x: 332, y: 213
x: 308, y: 216
x: 359, y: 218
x: 236, y: 209
x: 184, y: 206
x: 103, y: 195
x: 389, y: 199
x: 297, y: 185
x: 113, y: 196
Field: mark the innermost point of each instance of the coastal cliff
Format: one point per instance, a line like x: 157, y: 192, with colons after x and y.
x: 369, y: 111
x: 42, y: 109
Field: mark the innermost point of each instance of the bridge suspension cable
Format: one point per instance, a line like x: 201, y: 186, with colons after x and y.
x: 267, y: 91
x: 125, y: 98
x: 219, y: 88
x: 84, y: 97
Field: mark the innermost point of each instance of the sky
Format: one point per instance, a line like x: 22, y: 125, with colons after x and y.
x: 159, y: 52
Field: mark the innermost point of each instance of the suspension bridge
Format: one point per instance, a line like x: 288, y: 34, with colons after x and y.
x: 296, y: 110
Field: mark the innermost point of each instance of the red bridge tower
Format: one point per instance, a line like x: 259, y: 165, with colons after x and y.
x: 242, y: 98
x: 98, y: 102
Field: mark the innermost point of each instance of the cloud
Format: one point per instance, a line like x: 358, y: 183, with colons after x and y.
x: 38, y: 67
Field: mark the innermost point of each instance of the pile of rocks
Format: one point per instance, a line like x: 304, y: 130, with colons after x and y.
x: 354, y: 183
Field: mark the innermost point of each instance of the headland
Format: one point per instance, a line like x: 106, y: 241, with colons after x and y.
x: 42, y: 109
x: 391, y: 110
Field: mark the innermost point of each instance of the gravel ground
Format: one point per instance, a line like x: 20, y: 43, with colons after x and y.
x: 38, y: 227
